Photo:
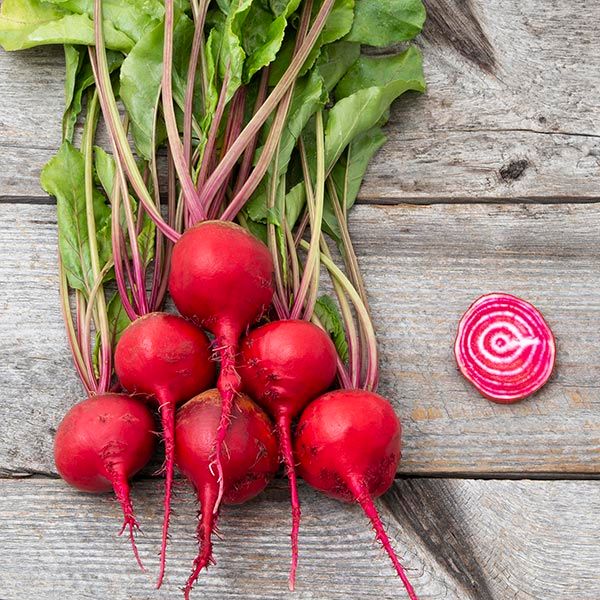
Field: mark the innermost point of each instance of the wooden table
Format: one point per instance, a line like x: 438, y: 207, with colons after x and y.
x: 489, y: 182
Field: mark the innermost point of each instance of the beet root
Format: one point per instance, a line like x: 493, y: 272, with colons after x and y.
x: 505, y: 348
x: 249, y: 459
x: 167, y: 359
x: 100, y: 444
x: 348, y: 446
x: 222, y: 278
x: 284, y: 365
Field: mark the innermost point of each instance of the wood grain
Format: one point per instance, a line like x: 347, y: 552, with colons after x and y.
x: 512, y: 110
x: 458, y: 539
x: 424, y: 265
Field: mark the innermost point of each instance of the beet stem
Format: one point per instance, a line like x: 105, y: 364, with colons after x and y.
x: 206, y: 525
x: 167, y: 415
x: 121, y: 488
x: 284, y: 433
x: 366, y: 502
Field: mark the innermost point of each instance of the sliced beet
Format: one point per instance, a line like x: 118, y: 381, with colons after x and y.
x: 505, y: 348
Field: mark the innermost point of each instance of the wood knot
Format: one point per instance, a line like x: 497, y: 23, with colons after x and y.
x: 514, y: 170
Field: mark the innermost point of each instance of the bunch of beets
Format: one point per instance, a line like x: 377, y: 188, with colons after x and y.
x: 238, y: 133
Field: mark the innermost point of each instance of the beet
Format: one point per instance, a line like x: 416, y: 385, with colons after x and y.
x: 284, y: 365
x: 168, y: 360
x: 222, y: 278
x: 101, y: 443
x: 348, y: 446
x: 249, y: 460
x: 505, y: 348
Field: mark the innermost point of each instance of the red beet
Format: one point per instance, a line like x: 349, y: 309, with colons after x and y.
x: 249, y: 459
x: 167, y: 359
x: 505, y: 348
x: 348, y: 445
x: 222, y: 278
x: 284, y: 365
x: 101, y: 443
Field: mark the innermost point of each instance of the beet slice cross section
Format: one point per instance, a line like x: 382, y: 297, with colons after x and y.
x: 505, y: 348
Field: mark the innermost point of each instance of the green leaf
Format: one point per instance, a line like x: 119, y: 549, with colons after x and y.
x: 84, y: 80
x: 369, y: 71
x: 386, y: 22
x: 146, y: 239
x: 295, y: 201
x: 105, y: 169
x: 73, y: 59
x: 334, y: 62
x: 348, y: 174
x: 133, y: 18
x: 141, y: 75
x: 366, y: 107
x: 224, y: 45
x: 329, y: 315
x: 263, y: 35
x: 29, y: 23
x: 64, y: 178
x: 258, y: 230
x: 338, y: 24
x: 118, y: 321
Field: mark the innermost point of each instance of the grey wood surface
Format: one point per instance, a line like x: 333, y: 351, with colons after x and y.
x: 459, y: 540
x: 423, y: 266
x: 512, y: 110
x: 505, y: 149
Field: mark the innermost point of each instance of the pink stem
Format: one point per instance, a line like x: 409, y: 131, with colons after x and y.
x: 118, y: 253
x: 361, y: 493
x: 287, y: 455
x: 84, y: 341
x: 228, y: 385
x: 194, y: 205
x: 121, y: 488
x: 213, y: 132
x: 118, y: 137
x: 268, y: 151
x: 167, y: 416
x: 248, y: 156
x: 218, y: 177
x: 188, y: 111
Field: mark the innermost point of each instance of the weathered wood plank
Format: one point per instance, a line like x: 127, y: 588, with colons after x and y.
x: 512, y: 109
x: 423, y: 267
x: 459, y: 540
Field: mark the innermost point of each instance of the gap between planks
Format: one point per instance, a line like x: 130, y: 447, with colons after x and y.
x: 400, y: 201
x: 467, y: 476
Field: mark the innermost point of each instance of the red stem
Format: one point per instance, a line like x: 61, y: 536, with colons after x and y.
x: 268, y: 151
x: 284, y: 433
x: 213, y: 132
x: 172, y: 218
x: 248, y: 156
x: 235, y: 121
x: 206, y: 526
x: 167, y: 417
x: 194, y: 205
x: 361, y: 493
x: 118, y: 253
x: 271, y: 146
x: 230, y: 159
x: 121, y: 488
x: 188, y: 111
x: 229, y: 385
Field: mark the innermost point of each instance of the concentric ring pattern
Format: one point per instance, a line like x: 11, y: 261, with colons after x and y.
x: 505, y: 348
